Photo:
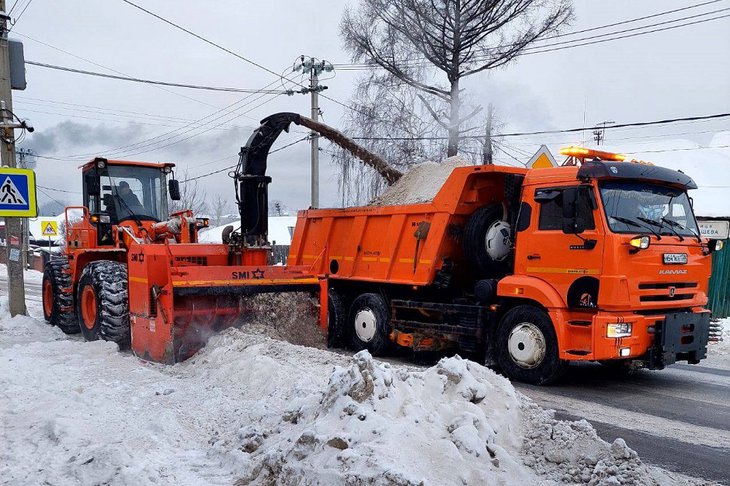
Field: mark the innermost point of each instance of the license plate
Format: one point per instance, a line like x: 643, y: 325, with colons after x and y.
x: 675, y: 258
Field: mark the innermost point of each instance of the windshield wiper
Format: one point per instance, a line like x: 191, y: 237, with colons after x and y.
x: 636, y: 224
x: 652, y: 222
x: 674, y: 224
x: 671, y: 228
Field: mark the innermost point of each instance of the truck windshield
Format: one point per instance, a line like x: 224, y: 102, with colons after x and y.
x: 133, y: 193
x: 633, y: 207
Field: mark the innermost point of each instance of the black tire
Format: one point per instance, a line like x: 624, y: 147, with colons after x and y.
x: 475, y: 249
x: 104, y: 312
x: 369, y: 324
x: 337, y: 319
x: 535, y: 327
x: 58, y: 302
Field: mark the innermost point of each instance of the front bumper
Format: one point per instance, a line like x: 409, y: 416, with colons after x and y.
x: 656, y: 340
x: 683, y: 336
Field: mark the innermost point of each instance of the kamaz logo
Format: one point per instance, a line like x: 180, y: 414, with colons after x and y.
x: 672, y: 272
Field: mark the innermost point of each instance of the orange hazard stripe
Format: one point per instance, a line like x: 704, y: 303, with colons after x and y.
x: 138, y: 280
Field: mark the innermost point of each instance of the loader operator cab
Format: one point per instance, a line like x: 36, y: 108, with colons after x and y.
x: 117, y: 191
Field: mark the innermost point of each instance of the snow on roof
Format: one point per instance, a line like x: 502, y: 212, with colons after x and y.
x: 708, y: 165
x: 281, y: 229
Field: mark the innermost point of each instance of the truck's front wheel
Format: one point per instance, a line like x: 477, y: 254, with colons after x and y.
x: 370, y: 324
x: 102, y: 303
x: 527, y: 347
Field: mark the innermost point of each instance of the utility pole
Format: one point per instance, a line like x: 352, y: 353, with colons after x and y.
x: 599, y: 134
x: 314, y: 67
x: 25, y: 161
x: 16, y: 283
x: 487, y: 151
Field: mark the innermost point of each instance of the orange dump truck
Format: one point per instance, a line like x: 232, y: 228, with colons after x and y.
x: 598, y: 260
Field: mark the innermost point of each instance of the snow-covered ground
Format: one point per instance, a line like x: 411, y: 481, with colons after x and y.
x: 252, y: 410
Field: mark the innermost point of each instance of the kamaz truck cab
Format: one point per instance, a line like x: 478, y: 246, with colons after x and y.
x: 612, y: 251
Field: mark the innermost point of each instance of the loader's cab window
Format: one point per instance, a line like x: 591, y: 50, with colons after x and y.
x: 551, y: 208
x: 638, y: 207
x: 129, y: 192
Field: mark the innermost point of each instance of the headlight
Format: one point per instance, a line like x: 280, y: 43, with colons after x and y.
x: 618, y: 330
x: 640, y: 242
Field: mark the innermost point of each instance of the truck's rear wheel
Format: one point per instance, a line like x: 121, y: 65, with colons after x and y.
x: 370, y: 324
x: 527, y: 347
x: 103, y: 303
x: 58, y: 302
x: 487, y: 241
x: 337, y: 317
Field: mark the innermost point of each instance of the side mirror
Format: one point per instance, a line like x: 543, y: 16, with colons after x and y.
x: 174, y: 189
x: 572, y: 224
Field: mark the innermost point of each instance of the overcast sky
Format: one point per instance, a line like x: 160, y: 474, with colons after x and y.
x: 676, y: 73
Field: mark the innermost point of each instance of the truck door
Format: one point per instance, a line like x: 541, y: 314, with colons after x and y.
x: 563, y: 244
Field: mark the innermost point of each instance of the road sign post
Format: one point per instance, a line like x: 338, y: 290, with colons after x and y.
x: 49, y: 228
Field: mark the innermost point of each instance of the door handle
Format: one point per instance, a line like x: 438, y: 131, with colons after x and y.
x: 534, y: 256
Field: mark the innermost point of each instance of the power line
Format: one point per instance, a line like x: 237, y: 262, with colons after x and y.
x: 605, y: 37
x: 20, y: 14
x: 243, y: 58
x: 159, y: 83
x: 57, y: 190
x: 236, y: 165
x: 50, y: 46
x: 567, y: 130
x: 200, y: 37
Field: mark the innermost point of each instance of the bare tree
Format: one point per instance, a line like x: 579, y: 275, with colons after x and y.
x: 453, y: 39
x: 220, y: 206
x: 191, y: 196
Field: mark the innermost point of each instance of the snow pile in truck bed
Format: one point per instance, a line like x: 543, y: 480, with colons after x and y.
x: 420, y: 184
x: 252, y: 410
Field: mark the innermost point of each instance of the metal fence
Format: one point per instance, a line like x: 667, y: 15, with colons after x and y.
x: 719, y: 295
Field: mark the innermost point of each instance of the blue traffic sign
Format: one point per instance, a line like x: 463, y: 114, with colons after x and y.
x: 17, y: 193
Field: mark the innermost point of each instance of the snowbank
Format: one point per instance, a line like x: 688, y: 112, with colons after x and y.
x: 280, y: 230
x: 251, y: 410
x: 420, y: 184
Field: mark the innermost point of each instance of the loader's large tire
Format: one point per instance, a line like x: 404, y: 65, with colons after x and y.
x: 102, y: 302
x: 369, y: 324
x: 58, y: 300
x: 484, y: 232
x: 527, y: 347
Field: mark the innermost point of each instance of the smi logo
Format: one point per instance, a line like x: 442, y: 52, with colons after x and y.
x: 672, y: 272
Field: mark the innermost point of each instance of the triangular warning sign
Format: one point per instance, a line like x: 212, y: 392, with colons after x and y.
x: 542, y: 159
x: 10, y: 195
x: 49, y: 230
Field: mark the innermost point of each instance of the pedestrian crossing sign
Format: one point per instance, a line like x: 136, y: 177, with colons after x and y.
x: 17, y: 193
x: 49, y: 228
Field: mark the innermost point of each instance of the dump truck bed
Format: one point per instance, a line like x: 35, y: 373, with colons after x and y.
x: 404, y: 244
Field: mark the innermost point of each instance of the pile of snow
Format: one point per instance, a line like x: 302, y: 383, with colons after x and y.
x: 420, y: 184
x: 248, y: 409
x: 281, y: 229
